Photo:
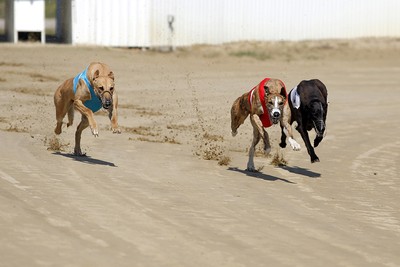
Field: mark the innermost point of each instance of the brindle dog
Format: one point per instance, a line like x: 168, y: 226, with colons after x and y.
x: 88, y: 92
x: 264, y: 103
x: 308, y: 107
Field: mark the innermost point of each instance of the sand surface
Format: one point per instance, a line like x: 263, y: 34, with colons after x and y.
x: 150, y: 197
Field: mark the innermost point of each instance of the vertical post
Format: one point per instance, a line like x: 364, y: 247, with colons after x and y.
x: 171, y: 19
x: 9, y: 21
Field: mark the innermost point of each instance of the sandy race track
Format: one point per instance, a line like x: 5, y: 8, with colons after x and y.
x: 156, y: 195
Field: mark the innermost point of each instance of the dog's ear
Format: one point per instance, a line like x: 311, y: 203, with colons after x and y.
x: 111, y: 75
x: 96, y: 75
x: 266, y: 89
x: 283, y: 92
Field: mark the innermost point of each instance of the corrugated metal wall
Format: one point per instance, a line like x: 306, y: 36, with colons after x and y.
x: 110, y: 22
x: 145, y: 22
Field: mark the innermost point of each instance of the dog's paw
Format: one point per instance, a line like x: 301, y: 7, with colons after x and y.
x: 250, y: 166
x: 95, y: 132
x: 57, y: 131
x: 295, y: 146
x: 251, y: 169
x: 314, y: 159
x: 267, y: 150
x: 116, y: 130
x: 234, y: 133
x: 78, y: 153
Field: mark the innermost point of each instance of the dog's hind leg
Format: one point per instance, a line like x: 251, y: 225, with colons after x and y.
x: 267, y: 145
x: 258, y: 133
x: 57, y: 130
x: 82, y: 125
x: 238, y: 115
x: 256, y: 139
x: 71, y: 112
x: 61, y: 110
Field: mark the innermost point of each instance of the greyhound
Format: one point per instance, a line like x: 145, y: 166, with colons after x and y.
x: 264, y: 103
x: 308, y: 106
x: 88, y: 92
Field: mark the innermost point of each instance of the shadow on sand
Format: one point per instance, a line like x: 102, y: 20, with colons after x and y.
x: 259, y: 175
x: 85, y: 159
x: 301, y: 171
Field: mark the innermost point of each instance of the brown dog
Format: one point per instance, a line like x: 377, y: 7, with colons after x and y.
x: 264, y: 103
x: 88, y: 92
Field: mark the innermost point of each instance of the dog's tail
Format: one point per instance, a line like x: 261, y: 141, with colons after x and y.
x: 71, y: 112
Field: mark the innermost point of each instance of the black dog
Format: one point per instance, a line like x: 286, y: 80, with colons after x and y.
x: 308, y: 107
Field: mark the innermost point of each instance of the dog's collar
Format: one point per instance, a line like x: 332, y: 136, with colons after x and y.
x: 251, y: 97
x: 94, y: 103
x: 261, y: 93
x: 265, y: 119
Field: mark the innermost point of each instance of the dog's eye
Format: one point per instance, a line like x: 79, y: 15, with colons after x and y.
x: 101, y: 88
x: 111, y: 88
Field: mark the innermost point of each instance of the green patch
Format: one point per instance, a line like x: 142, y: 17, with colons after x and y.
x: 50, y: 8
x: 259, y: 55
x: 15, y: 129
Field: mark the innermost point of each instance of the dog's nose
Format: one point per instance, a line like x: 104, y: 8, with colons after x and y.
x: 107, y: 104
x: 320, y: 127
x: 276, y: 114
x: 322, y: 130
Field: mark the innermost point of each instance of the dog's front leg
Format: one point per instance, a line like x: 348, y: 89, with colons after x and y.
x: 113, y: 115
x: 89, y: 115
x: 287, y: 130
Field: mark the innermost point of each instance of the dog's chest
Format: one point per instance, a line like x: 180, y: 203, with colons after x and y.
x: 94, y: 103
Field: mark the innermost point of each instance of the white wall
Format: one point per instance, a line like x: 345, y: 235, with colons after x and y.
x: 25, y: 16
x: 110, y: 22
x: 144, y: 22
